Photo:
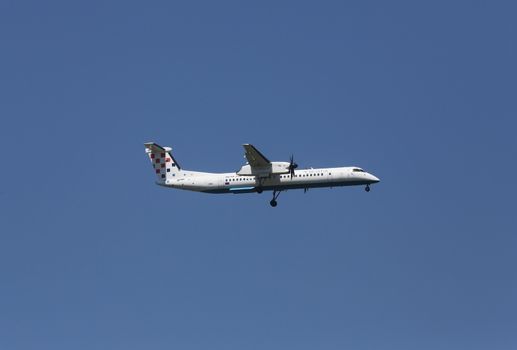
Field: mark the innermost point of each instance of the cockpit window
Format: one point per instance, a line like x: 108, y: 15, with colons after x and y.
x: 358, y: 170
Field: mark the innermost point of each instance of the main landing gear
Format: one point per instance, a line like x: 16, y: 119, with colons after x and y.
x: 273, y: 202
x: 259, y: 187
x: 367, y: 188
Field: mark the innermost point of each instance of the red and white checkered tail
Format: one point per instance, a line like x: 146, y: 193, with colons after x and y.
x: 164, y: 164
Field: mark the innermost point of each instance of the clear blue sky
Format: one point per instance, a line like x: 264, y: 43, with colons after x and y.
x: 93, y: 255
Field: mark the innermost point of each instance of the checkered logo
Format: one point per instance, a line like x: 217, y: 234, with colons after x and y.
x: 162, y: 163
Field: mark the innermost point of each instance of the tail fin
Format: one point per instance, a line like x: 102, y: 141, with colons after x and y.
x: 164, y: 164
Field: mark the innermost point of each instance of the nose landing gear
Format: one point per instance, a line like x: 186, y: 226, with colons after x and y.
x: 367, y: 188
x: 273, y: 202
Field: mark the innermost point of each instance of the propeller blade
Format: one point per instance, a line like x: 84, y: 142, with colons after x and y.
x: 292, y: 166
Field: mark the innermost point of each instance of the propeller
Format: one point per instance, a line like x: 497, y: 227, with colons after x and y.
x: 292, y: 166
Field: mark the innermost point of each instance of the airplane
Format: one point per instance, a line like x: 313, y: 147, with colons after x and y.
x: 257, y: 175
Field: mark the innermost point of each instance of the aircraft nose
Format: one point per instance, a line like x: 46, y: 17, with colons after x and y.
x: 374, y: 178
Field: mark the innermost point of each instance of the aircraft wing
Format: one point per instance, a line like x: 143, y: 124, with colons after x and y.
x: 254, y: 157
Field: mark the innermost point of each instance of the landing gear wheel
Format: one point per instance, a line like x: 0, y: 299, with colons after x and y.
x: 275, y: 196
x: 259, y: 190
x: 367, y: 188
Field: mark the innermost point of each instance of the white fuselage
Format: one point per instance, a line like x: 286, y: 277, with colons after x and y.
x: 302, y: 179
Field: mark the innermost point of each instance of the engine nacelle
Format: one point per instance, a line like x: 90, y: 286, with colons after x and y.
x: 273, y: 168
